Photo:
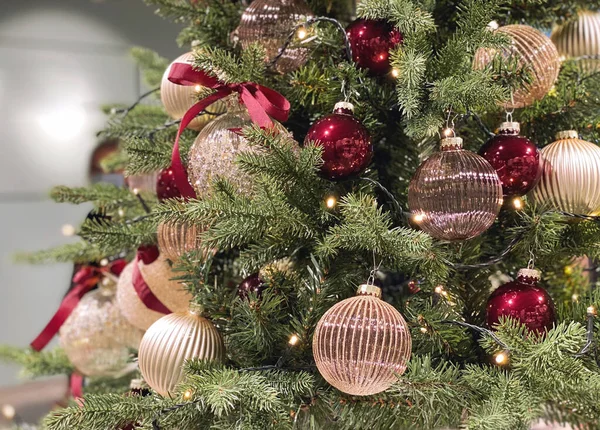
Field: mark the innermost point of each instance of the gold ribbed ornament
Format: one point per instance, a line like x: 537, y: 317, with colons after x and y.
x: 362, y: 344
x: 157, y: 275
x: 177, y: 99
x: 172, y: 340
x: 535, y: 53
x: 580, y: 38
x: 96, y: 337
x: 570, y: 175
x: 176, y: 239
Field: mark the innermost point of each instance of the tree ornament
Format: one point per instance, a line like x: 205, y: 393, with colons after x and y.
x: 157, y: 275
x: 270, y: 22
x: 252, y: 284
x: 177, y: 99
x: 347, y: 148
x: 515, y: 158
x: 177, y: 239
x: 570, y: 175
x: 362, y: 344
x: 166, y: 187
x: 142, y: 182
x: 455, y: 194
x: 96, y: 337
x: 523, y: 300
x: 371, y: 41
x: 172, y: 340
x: 535, y: 54
x: 580, y: 38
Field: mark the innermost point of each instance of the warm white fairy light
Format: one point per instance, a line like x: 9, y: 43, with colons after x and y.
x: 187, y: 395
x: 8, y: 411
x: 294, y: 339
x: 395, y: 72
x: 418, y: 218
x: 501, y: 358
x: 591, y: 310
x: 301, y: 33
x: 518, y: 203
x: 68, y: 230
x: 198, y: 88
x: 330, y: 202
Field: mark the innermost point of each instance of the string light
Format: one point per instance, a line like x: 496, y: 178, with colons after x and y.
x: 135, y: 191
x: 501, y: 358
x: 518, y: 203
x: 187, y: 395
x: 294, y: 339
x: 68, y: 230
x: 104, y: 262
x: 198, y: 88
x: 106, y: 281
x: 423, y: 329
x: 568, y: 270
x: 418, y: 218
x: 331, y: 202
x: 591, y: 310
x: 395, y: 72
x: 121, y: 212
x: 439, y: 290
x: 448, y: 132
x: 575, y: 297
x: 8, y: 411
x: 301, y: 33
x: 493, y: 25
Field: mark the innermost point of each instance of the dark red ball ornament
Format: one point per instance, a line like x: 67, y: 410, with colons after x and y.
x: 523, y: 300
x: 371, y: 41
x: 252, y: 284
x: 346, y: 143
x: 166, y: 187
x: 516, y: 159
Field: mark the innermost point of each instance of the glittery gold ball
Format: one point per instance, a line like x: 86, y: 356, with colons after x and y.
x: 177, y: 99
x: 174, y: 239
x: 580, y: 38
x: 157, y: 275
x: 362, y: 344
x: 535, y: 53
x: 172, y: 340
x: 97, y: 337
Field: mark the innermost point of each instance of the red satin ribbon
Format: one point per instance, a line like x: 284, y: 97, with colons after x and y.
x: 260, y: 101
x: 85, y: 279
x: 76, y: 385
x: 147, y: 255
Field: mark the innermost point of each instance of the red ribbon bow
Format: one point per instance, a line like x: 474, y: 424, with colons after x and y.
x: 260, y: 101
x: 85, y: 279
x: 147, y: 254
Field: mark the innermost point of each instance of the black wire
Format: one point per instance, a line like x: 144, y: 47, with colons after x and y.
x: 497, y: 259
x: 589, y: 336
x: 126, y: 111
x: 480, y: 330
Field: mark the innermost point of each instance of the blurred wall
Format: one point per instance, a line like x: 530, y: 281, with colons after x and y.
x: 59, y: 61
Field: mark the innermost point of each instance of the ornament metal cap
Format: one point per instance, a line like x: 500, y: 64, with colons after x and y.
x: 369, y: 290
x: 137, y: 384
x: 567, y: 134
x: 451, y: 143
x: 510, y: 126
x: 196, y: 308
x: 344, y: 106
x: 529, y: 273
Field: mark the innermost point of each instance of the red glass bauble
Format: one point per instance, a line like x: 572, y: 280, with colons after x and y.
x: 252, y: 284
x: 166, y: 187
x: 346, y: 143
x: 371, y: 41
x: 516, y: 159
x: 523, y: 300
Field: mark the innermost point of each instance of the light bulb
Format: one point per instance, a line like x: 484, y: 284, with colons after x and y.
x: 294, y: 339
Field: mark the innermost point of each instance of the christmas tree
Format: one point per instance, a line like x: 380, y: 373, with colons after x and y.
x: 374, y: 216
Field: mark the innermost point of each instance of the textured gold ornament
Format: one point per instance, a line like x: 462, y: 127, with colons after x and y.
x: 97, y: 337
x: 157, y: 275
x: 177, y: 99
x: 570, y: 175
x: 580, y: 38
x: 175, y: 239
x: 362, y: 344
x: 269, y: 22
x: 172, y: 340
x: 535, y: 53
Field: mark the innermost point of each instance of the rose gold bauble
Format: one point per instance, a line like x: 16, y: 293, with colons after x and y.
x: 96, y: 337
x: 580, y: 38
x: 177, y: 99
x: 362, y: 344
x: 269, y: 22
x: 570, y: 175
x: 535, y: 53
x: 157, y: 275
x: 172, y: 340
x: 455, y: 194
x: 175, y: 240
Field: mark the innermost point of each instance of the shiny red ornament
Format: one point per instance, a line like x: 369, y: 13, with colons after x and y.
x: 347, y: 148
x: 516, y: 159
x: 166, y: 187
x: 253, y: 284
x: 523, y: 300
x: 371, y: 41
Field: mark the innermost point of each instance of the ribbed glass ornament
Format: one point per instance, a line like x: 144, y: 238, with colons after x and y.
x: 176, y: 239
x: 455, y: 194
x: 269, y: 22
x: 570, y: 175
x: 172, y: 340
x: 535, y: 53
x: 158, y: 276
x: 96, y: 337
x: 177, y: 99
x: 580, y: 38
x: 362, y: 344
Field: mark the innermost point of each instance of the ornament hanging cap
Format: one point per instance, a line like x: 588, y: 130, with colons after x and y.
x: 369, y: 290
x: 451, y: 143
x: 511, y: 127
x: 343, y: 107
x: 137, y: 384
x: 529, y: 273
x: 196, y: 308
x: 567, y: 134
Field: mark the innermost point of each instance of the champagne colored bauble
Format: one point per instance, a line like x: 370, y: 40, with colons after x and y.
x: 177, y: 99
x: 570, y: 175
x: 175, y: 239
x: 362, y: 344
x: 157, y: 275
x: 269, y: 22
x: 535, y: 53
x: 580, y: 38
x: 455, y: 194
x: 96, y: 337
x: 515, y: 158
x: 524, y: 300
x: 172, y: 340
x: 371, y: 41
